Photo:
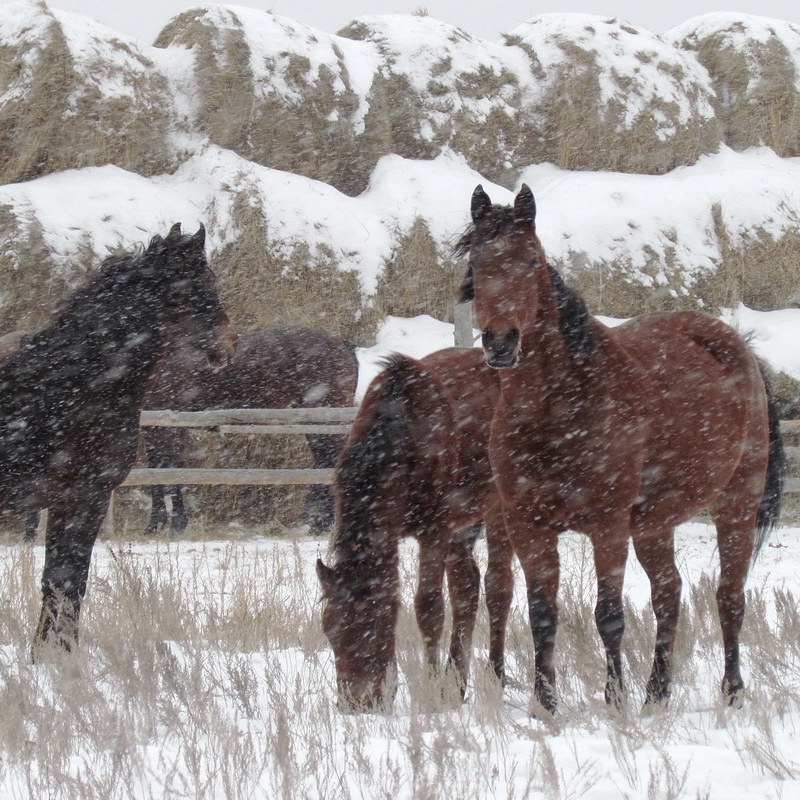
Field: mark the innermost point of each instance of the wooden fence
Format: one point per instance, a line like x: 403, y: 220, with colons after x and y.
x: 289, y: 421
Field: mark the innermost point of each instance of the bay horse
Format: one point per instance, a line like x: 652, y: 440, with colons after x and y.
x: 274, y: 368
x: 618, y: 433
x: 415, y: 465
x: 70, y: 400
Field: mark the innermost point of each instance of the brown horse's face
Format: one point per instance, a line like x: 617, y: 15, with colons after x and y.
x: 359, y: 620
x: 192, y: 293
x: 501, y: 277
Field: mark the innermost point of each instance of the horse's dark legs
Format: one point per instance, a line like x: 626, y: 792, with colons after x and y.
x: 318, y: 509
x: 429, y: 599
x: 71, y: 533
x: 735, y: 544
x: 464, y: 586
x: 31, y: 526
x: 656, y: 553
x: 179, y: 519
x: 499, y: 587
x: 158, y: 511
x: 537, y: 551
x: 610, y: 555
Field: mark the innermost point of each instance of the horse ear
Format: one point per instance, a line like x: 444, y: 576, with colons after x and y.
x: 480, y: 205
x: 174, y: 233
x: 325, y: 575
x: 466, y: 291
x: 525, y: 205
x: 199, y: 239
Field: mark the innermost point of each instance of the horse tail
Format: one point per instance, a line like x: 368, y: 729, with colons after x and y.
x: 391, y: 457
x: 770, y: 508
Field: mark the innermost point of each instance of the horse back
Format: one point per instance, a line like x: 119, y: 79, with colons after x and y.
x: 708, y: 405
x: 471, y: 389
x: 273, y: 368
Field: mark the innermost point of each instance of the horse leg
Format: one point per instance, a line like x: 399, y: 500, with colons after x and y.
x: 318, y: 509
x: 158, y: 511
x: 429, y: 600
x: 71, y: 532
x: 610, y: 556
x: 464, y: 586
x: 499, y: 587
x: 656, y: 553
x: 179, y: 519
x: 537, y: 551
x: 736, y: 541
x: 31, y: 526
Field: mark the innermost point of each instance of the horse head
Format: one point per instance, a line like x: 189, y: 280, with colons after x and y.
x: 359, y: 619
x: 504, y: 252
x: 192, y: 293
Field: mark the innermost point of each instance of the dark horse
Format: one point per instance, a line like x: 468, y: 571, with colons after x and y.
x: 274, y: 368
x: 70, y: 400
x: 416, y: 464
x: 617, y: 433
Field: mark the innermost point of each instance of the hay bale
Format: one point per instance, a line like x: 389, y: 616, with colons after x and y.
x: 615, y: 97
x: 438, y: 87
x: 754, y: 64
x: 277, y: 92
x: 73, y: 94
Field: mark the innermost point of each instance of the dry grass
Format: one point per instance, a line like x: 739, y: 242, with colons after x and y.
x: 203, y: 672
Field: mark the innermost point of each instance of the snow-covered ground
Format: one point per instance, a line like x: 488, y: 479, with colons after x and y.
x: 241, y: 683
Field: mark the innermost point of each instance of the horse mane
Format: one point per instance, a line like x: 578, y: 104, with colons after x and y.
x: 573, y: 312
x: 383, y: 447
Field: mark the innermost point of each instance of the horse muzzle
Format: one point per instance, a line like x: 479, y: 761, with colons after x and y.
x: 502, y: 352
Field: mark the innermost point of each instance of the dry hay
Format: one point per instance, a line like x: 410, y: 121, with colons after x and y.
x: 615, y: 97
x: 441, y: 87
x: 266, y: 281
x: 275, y: 92
x: 74, y: 94
x: 754, y: 64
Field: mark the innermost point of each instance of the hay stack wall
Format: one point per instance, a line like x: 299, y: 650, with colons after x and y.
x: 333, y: 171
x: 615, y: 97
x: 438, y: 87
x: 74, y: 93
x: 279, y: 93
x: 754, y: 64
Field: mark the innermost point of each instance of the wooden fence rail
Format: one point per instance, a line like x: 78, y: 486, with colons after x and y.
x: 284, y: 421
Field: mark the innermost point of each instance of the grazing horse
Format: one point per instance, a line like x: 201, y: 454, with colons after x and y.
x: 274, y: 368
x: 617, y: 433
x: 70, y: 400
x: 415, y: 464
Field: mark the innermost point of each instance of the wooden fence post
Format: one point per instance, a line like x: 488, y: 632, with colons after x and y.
x: 462, y: 328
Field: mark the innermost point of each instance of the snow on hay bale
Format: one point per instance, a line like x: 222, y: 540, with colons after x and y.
x: 616, y: 97
x: 754, y: 63
x: 73, y: 94
x: 277, y: 92
x: 437, y: 87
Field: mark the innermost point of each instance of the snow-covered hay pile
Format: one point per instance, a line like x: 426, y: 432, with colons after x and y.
x: 615, y: 97
x: 754, y: 64
x: 277, y: 92
x: 333, y: 172
x: 75, y: 94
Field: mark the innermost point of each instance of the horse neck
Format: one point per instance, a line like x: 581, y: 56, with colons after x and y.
x: 544, y: 350
x: 120, y: 344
